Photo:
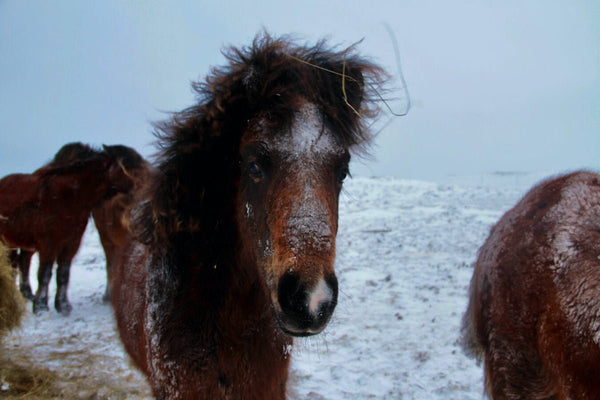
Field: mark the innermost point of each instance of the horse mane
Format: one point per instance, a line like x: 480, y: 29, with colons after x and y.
x: 72, y: 152
x: 197, y: 159
x: 74, y: 155
x: 70, y: 157
x: 128, y: 157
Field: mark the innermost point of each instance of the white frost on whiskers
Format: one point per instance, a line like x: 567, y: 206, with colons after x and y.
x: 287, y: 350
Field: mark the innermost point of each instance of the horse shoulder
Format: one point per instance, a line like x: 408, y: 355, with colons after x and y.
x: 17, y: 191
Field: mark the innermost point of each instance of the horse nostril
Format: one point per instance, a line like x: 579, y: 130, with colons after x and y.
x: 292, y: 296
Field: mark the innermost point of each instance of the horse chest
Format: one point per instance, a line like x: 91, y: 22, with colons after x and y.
x: 232, y: 351
x: 220, y: 366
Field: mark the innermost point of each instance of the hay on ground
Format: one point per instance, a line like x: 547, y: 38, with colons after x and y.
x: 12, y: 303
x: 25, y: 381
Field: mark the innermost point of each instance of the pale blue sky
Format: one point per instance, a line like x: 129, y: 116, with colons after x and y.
x: 495, y: 86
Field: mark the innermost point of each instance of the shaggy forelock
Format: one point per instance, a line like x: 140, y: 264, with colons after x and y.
x: 271, y: 78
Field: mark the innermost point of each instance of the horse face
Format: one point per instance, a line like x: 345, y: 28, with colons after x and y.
x: 288, y: 207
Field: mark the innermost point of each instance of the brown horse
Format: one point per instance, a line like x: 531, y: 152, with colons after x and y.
x: 21, y: 258
x: 112, y: 215
x: 237, y: 244
x: 534, y: 310
x: 47, y: 212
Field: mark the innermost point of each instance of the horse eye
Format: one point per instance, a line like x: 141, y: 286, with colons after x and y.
x: 255, y: 172
x: 341, y: 175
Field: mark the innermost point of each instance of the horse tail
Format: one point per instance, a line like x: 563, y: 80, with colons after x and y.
x: 12, y: 303
x: 469, y: 340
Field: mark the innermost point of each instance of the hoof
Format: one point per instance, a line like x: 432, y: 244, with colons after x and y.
x: 63, y: 308
x: 106, y: 298
x: 39, y: 307
x: 26, y: 292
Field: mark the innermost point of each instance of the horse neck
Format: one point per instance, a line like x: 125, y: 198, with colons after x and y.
x: 93, y: 182
x: 213, y: 287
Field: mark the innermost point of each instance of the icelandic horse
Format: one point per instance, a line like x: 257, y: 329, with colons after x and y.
x: 236, y: 238
x: 47, y: 212
x: 534, y: 307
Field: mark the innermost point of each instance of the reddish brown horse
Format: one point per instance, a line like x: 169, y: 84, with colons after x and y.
x: 47, y: 212
x: 534, y: 311
x: 236, y: 253
x: 21, y: 258
x: 112, y: 215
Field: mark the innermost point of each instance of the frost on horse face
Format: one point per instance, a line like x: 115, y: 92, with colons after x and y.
x: 304, y: 152
x: 237, y: 235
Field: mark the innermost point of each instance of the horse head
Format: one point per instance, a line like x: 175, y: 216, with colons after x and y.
x: 264, y: 154
x: 293, y: 158
x: 122, y: 160
x: 287, y: 206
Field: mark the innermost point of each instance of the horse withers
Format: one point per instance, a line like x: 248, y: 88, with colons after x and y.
x: 236, y: 238
x: 47, y: 212
x: 534, y: 308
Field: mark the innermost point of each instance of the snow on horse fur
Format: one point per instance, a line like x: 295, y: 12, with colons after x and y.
x: 534, y: 309
x: 236, y: 245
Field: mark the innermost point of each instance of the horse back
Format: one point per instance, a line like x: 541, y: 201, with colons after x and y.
x: 534, y: 302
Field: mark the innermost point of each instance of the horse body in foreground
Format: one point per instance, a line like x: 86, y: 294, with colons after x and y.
x: 534, y: 309
x: 235, y: 253
x: 47, y: 212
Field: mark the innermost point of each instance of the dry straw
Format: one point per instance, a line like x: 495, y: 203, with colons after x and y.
x: 12, y: 303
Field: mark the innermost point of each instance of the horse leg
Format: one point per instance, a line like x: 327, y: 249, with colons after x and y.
x: 40, y: 301
x: 24, y: 265
x: 109, y: 268
x: 61, y: 302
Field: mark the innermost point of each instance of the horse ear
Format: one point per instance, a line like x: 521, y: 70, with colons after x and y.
x: 108, y: 150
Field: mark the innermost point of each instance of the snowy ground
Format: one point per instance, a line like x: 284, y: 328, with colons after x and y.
x: 405, y: 253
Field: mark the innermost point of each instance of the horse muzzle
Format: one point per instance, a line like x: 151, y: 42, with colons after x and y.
x: 305, y: 310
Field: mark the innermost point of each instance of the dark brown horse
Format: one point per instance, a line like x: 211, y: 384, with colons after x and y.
x: 21, y: 258
x: 112, y: 215
x: 237, y: 243
x: 534, y: 310
x: 47, y: 212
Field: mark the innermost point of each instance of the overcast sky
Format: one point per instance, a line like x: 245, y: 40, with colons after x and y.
x: 495, y: 86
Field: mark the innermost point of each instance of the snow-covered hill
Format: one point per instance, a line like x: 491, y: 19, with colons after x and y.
x: 405, y: 253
